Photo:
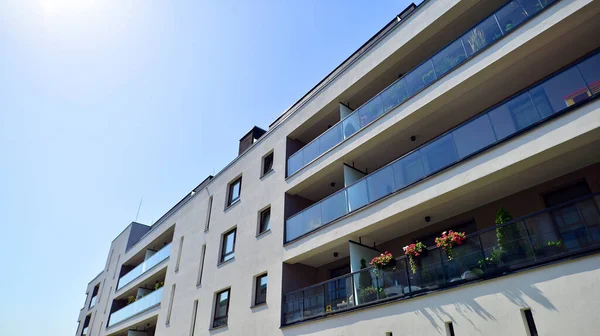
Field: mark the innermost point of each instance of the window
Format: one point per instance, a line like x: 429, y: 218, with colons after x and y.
x: 260, y: 295
x: 449, y: 329
x: 199, y: 281
x: 531, y: 328
x: 265, y: 221
x: 267, y: 165
x: 170, y: 305
x: 194, y: 315
x: 208, y: 211
x: 235, y: 189
x: 228, y: 246
x: 221, y: 309
x: 179, y: 254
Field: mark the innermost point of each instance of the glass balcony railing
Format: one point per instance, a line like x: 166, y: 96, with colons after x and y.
x: 142, y: 268
x: 84, y: 332
x: 521, y: 112
x: 558, y: 232
x: 484, y: 34
x: 149, y: 301
x: 93, y: 301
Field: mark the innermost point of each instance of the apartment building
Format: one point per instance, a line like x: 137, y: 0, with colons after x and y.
x: 479, y: 117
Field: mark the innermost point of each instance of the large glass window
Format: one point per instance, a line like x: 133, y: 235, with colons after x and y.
x: 590, y: 69
x: 449, y: 57
x: 420, y: 77
x: 474, y: 136
x: 559, y: 92
x: 513, y: 115
x: 260, y: 296
x: 235, y: 189
x: 438, y: 154
x: 228, y: 246
x: 221, y: 309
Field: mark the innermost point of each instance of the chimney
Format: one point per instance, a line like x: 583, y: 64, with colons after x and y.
x: 247, y: 140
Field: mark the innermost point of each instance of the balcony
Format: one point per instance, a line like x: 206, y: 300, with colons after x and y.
x: 84, y: 332
x: 473, y: 42
x: 145, y: 266
x: 139, y: 306
x: 567, y: 230
x: 557, y: 94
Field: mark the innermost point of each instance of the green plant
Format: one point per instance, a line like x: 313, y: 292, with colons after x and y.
x: 557, y: 243
x: 476, y: 40
x: 493, y: 260
x: 371, y: 293
x: 364, y: 278
x: 131, y: 299
x: 158, y: 284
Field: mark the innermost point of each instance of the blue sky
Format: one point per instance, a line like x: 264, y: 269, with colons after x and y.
x: 105, y: 102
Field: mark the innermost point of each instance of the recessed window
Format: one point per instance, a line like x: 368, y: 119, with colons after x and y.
x: 201, y: 269
x: 221, y: 309
x: 449, y: 329
x: 265, y: 221
x: 530, y: 322
x: 267, y: 165
x: 261, y: 289
x: 208, y: 211
x: 228, y: 246
x: 235, y: 188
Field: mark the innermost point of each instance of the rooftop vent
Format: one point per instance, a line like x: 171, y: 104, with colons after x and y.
x: 247, y: 140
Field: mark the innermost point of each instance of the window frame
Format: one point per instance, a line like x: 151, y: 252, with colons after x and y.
x: 261, y: 213
x: 230, y: 187
x: 216, y: 308
x: 264, y: 172
x: 257, y: 286
x: 224, y: 236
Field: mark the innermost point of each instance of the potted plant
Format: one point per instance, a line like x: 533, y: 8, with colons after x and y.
x: 131, y: 299
x: 364, y: 278
x: 385, y: 262
x: 369, y: 294
x: 158, y: 284
x: 448, y: 240
x: 493, y: 263
x: 551, y: 248
x: 509, y: 238
x: 413, y: 251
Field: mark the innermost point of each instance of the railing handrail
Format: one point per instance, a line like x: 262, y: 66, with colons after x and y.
x: 146, y: 297
x: 423, y: 62
x: 471, y: 235
x: 487, y: 110
x: 145, y: 261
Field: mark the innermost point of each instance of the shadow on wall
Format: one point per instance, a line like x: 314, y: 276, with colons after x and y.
x: 522, y: 290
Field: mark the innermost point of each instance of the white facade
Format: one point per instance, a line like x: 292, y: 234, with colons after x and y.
x: 515, y: 173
